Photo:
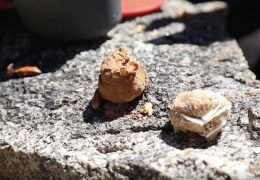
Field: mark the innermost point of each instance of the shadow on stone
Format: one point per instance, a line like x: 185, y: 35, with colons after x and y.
x: 107, y: 111
x: 184, y: 140
x: 256, y: 69
x: 92, y: 116
x: 21, y: 48
x: 201, y: 29
x: 20, y: 165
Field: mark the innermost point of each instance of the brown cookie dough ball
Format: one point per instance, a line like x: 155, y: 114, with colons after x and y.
x: 122, y: 78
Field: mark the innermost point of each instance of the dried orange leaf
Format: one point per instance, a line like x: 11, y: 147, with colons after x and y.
x: 28, y: 71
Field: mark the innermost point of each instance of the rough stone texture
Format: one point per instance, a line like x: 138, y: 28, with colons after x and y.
x: 49, y: 131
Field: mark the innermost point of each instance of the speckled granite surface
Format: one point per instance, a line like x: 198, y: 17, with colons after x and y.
x: 49, y: 131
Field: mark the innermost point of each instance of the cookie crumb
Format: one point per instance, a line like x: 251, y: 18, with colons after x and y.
x: 96, y: 100
x: 140, y: 28
x: 148, y: 109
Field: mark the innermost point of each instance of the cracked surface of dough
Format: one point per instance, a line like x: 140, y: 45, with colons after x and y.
x: 122, y: 78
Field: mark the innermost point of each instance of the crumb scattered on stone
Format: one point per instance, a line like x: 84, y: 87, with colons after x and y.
x: 148, y: 109
x: 140, y: 28
x: 122, y: 78
x: 96, y: 100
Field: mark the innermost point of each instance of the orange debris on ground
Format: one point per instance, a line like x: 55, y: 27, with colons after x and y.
x: 25, y: 71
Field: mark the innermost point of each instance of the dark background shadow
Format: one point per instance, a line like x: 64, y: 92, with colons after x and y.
x: 184, y: 140
x: 240, y: 22
x: 198, y: 30
x: 21, y: 163
x: 109, y: 111
x: 243, y: 24
x: 20, y: 47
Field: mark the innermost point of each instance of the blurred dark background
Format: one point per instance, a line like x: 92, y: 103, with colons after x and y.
x: 243, y: 24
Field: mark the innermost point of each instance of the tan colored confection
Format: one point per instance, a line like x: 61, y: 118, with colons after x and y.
x: 122, y: 78
x: 148, y: 109
x: 200, y: 111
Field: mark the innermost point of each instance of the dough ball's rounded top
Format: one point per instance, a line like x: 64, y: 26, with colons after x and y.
x: 119, y: 65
